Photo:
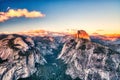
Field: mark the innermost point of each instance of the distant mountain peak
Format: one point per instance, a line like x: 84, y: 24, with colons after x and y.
x: 82, y: 34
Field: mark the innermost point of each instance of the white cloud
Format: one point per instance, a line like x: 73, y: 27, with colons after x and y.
x: 19, y: 13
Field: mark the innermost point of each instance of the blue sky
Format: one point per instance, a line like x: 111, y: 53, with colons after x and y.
x: 101, y: 16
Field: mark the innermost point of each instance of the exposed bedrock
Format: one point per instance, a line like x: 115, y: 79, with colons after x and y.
x: 18, y: 56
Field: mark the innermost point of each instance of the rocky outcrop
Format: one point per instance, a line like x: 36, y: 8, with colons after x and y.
x: 83, y: 34
x: 18, y: 56
x: 86, y: 60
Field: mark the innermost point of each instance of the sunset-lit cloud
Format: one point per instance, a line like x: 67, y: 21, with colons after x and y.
x: 19, y: 13
x: 99, y: 30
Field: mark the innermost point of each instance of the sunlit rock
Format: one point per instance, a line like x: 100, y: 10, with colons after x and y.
x: 86, y: 60
x: 18, y: 56
x: 83, y: 34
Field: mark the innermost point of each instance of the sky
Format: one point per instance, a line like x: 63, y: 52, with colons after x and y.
x: 94, y: 16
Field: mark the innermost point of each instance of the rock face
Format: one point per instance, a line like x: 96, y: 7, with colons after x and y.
x: 83, y: 34
x: 18, y: 56
x: 86, y: 60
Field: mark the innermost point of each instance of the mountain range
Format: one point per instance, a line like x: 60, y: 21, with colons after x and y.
x: 45, y: 55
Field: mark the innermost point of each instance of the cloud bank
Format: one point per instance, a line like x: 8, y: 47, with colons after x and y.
x: 99, y: 30
x: 19, y: 13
